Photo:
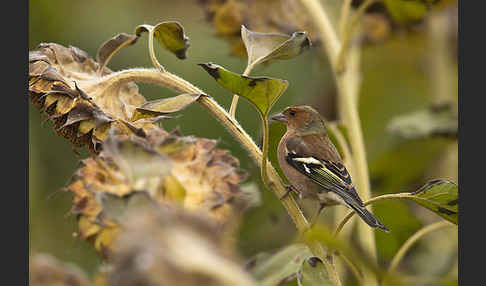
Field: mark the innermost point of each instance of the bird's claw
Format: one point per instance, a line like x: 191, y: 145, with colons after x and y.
x: 289, y: 189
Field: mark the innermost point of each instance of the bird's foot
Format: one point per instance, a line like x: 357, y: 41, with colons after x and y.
x: 289, y: 189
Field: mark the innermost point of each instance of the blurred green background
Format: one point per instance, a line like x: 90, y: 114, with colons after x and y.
x: 396, y: 79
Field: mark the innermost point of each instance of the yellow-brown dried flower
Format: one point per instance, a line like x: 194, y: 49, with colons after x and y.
x: 164, y: 168
x: 77, y: 95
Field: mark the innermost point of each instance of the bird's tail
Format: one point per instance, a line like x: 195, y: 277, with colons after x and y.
x: 368, y: 217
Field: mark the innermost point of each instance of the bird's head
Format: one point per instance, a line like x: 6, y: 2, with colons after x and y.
x: 301, y: 118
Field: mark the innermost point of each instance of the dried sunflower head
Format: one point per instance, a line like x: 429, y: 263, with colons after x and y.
x: 77, y: 95
x: 161, y: 169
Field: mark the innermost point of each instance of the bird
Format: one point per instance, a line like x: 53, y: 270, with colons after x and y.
x: 313, y: 166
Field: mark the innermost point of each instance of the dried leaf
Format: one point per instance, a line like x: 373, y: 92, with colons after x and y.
x: 164, y: 106
x: 168, y: 34
x: 262, y: 47
x: 441, y: 197
x: 262, y: 92
x: 112, y: 46
x: 438, y: 121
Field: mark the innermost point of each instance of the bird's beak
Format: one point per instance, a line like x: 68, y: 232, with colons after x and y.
x: 279, y: 117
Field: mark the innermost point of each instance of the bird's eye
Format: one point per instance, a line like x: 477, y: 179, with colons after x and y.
x: 292, y: 113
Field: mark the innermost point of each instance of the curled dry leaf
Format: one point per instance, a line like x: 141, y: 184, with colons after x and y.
x: 46, y: 270
x: 82, y: 103
x: 270, y: 16
x: 262, y: 92
x: 112, y: 46
x: 164, y: 106
x: 159, y: 169
x: 169, y: 246
x: 263, y: 47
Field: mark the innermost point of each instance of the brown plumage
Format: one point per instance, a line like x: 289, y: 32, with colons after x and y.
x: 312, y: 164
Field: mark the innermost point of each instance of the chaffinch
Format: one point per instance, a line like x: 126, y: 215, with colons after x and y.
x: 312, y: 164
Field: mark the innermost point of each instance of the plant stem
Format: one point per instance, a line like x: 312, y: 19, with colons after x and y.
x: 234, y: 103
x: 151, y: 50
x: 347, y: 82
x: 352, y: 267
x: 373, y: 200
x: 411, y: 240
x: 348, y: 31
x: 180, y: 85
x: 264, y: 171
x: 343, y: 18
x: 323, y: 24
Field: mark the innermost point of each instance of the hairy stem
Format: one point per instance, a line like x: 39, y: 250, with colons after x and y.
x: 264, y: 171
x: 234, y: 103
x: 152, y: 52
x: 180, y: 85
x: 411, y: 240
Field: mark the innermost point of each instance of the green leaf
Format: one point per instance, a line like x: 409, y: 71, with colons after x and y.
x: 312, y: 274
x: 263, y: 92
x: 112, y: 46
x: 262, y: 47
x: 406, y: 11
x: 164, y: 106
x: 280, y: 267
x: 437, y: 120
x: 170, y: 35
x: 439, y: 196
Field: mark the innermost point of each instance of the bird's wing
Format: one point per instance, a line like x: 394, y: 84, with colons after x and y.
x: 332, y: 176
